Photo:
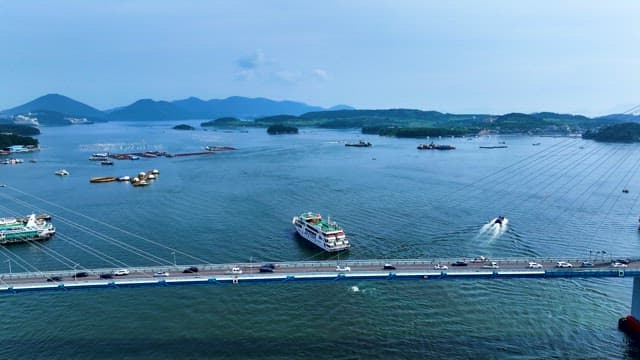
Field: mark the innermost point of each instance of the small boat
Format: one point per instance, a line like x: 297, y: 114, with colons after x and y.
x: 494, y: 147
x: 104, y: 154
x: 134, y: 157
x: 124, y: 178
x: 359, y: 144
x: 536, y: 144
x: 62, y: 172
x: 499, y: 220
x: 155, y: 171
x: 626, y: 191
x: 102, y: 179
x: 218, y: 148
x: 433, y: 146
x: 106, y: 162
x: 140, y: 183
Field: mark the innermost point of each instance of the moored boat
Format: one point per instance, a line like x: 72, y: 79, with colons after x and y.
x: 102, y: 179
x: 325, y: 234
x: 33, y: 230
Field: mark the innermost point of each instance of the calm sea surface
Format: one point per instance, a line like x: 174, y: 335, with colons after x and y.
x: 563, y: 198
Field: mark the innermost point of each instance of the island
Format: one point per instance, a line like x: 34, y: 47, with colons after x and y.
x: 224, y: 121
x: 183, y: 127
x: 625, y: 132
x: 281, y: 129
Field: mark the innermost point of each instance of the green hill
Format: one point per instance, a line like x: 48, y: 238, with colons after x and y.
x: 625, y: 132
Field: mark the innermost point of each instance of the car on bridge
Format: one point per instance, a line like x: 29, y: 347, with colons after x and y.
x: 121, y: 272
x: 440, y: 267
x: 564, y: 264
x: 459, y: 263
x: 54, y: 278
x: 81, y: 274
x: 586, y: 264
x: 190, y: 270
x: 534, y: 265
x: 388, y: 267
x: 106, y: 276
x: 161, y: 274
x: 492, y: 265
x: 236, y: 270
x: 267, y: 268
x: 623, y: 261
x: 619, y: 265
x: 340, y: 268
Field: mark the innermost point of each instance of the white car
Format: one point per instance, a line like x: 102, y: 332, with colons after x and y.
x: 440, y: 267
x: 161, y: 274
x: 492, y: 265
x: 339, y: 268
x: 236, y: 270
x: 121, y: 272
x: 619, y: 265
x: 534, y: 265
x: 563, y: 264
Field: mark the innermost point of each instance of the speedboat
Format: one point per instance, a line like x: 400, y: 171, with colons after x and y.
x: 62, y: 172
x: 499, y: 220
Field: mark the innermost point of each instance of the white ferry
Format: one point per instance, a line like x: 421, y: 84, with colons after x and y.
x: 327, y: 235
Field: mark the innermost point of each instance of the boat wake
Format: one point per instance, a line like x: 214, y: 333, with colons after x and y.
x: 494, y: 228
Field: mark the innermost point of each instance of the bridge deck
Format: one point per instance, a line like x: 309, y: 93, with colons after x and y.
x: 418, y: 269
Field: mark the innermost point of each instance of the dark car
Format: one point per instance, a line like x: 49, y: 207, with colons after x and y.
x: 267, y: 268
x: 388, y: 267
x: 459, y: 263
x: 81, y: 274
x: 106, y: 276
x: 54, y: 278
x: 190, y: 270
x: 623, y: 261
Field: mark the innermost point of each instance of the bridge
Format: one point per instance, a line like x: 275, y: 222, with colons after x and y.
x: 354, y: 270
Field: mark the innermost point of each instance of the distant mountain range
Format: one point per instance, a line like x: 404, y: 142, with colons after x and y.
x: 147, y: 109
x: 55, y: 109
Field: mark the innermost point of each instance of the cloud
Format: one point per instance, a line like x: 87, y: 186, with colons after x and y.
x: 252, y: 61
x: 320, y: 74
x: 257, y: 66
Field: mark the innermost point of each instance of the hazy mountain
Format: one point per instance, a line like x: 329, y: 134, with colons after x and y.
x: 147, y: 109
x: 56, y: 103
x: 242, y: 107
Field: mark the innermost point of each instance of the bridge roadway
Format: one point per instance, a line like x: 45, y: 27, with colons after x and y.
x: 405, y: 269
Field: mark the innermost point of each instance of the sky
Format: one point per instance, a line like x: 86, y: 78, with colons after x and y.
x: 486, y: 56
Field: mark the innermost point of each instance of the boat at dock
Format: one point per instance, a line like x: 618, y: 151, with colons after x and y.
x: 325, y: 234
x: 13, y: 230
x: 432, y: 146
x: 360, y: 143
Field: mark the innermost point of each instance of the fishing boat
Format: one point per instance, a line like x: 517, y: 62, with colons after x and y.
x: 432, y: 146
x: 325, y: 234
x: 14, y: 231
x: 359, y: 144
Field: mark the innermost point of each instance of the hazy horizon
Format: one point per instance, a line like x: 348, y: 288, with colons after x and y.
x: 461, y: 57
